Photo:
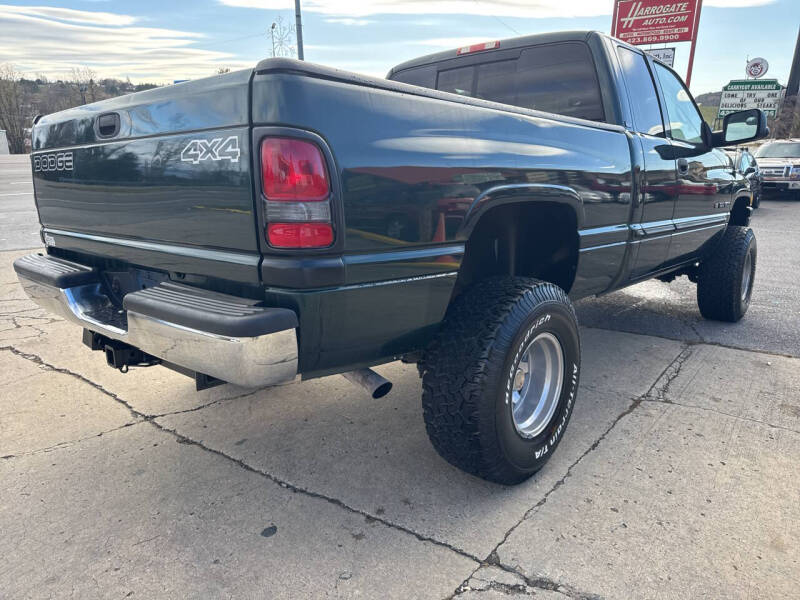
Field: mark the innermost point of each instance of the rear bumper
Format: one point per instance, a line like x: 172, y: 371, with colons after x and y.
x: 228, y: 338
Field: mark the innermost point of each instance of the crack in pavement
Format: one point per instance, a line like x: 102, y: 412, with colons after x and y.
x: 525, y: 587
x: 703, y: 342
x: 724, y: 414
x: 464, y: 584
x: 207, y: 404
x: 180, y: 438
x: 69, y: 443
x: 671, y: 373
x: 35, y: 358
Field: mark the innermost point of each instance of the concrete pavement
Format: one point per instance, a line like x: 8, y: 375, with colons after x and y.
x: 677, y: 476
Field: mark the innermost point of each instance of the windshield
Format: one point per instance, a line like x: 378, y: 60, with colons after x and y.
x: 779, y: 150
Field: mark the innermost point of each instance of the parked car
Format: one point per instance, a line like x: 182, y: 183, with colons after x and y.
x: 230, y: 228
x: 748, y: 176
x: 779, y: 163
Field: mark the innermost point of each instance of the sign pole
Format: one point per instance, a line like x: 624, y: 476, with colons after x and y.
x: 695, y: 27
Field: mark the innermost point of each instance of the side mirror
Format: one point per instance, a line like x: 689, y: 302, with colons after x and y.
x: 749, y: 171
x: 741, y: 127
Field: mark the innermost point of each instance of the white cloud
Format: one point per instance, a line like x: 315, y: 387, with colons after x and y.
x: 348, y: 21
x: 504, y: 8
x: 53, y: 41
x: 68, y: 14
x: 501, y: 8
x: 737, y: 3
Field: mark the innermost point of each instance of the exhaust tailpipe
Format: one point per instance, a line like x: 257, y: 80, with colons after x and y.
x: 376, y: 386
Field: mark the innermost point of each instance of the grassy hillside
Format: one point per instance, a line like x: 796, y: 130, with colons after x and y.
x: 709, y: 114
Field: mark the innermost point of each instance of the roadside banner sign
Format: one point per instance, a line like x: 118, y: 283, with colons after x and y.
x: 641, y: 22
x: 742, y: 94
x: 665, y: 55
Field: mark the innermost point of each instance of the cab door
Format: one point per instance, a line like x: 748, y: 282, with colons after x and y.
x: 657, y: 183
x: 705, y: 181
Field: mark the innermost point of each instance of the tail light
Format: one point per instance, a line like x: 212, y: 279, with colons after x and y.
x: 297, y: 190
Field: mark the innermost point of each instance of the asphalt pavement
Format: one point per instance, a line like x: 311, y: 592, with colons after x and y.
x: 19, y: 227
x: 677, y: 477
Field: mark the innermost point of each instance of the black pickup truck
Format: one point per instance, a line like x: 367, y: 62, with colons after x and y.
x: 295, y: 220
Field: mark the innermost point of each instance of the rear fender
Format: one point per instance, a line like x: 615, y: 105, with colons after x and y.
x: 520, y: 193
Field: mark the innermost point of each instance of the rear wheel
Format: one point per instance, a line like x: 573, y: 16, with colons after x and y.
x: 500, y: 380
x: 725, y: 279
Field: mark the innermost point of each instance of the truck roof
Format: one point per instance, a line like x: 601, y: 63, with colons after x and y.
x: 505, y: 44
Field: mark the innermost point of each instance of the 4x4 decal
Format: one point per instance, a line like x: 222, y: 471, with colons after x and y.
x: 215, y: 149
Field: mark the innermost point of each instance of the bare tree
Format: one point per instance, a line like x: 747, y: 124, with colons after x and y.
x: 21, y: 99
x: 14, y: 102
x: 84, y: 80
x: 282, y: 36
x: 788, y: 122
x: 55, y: 97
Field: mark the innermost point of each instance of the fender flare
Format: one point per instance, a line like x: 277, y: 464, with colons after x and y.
x: 741, y: 216
x: 520, y: 193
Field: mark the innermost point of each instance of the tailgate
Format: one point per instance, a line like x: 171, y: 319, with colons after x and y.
x: 158, y: 178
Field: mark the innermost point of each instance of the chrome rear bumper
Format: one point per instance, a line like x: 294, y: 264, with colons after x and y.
x: 254, y: 361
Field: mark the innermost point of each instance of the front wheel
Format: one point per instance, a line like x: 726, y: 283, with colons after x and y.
x: 501, y: 378
x: 725, y: 279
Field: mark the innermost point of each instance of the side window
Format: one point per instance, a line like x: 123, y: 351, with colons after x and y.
x: 497, y: 82
x: 744, y: 162
x: 559, y: 78
x: 685, y: 122
x: 456, y: 81
x: 421, y: 76
x: 641, y: 92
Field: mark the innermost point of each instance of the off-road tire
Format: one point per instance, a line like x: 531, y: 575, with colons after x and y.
x: 468, y: 370
x: 720, y: 276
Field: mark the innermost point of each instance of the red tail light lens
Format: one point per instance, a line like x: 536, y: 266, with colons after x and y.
x: 300, y: 235
x: 293, y: 170
x: 297, y: 192
x: 477, y: 48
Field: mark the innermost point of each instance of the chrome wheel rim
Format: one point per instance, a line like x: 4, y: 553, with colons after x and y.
x: 747, y: 275
x: 537, y: 383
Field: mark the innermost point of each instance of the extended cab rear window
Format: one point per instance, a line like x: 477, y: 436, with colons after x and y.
x: 558, y: 78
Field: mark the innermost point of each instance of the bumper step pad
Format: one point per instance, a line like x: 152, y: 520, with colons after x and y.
x: 213, y: 312
x: 55, y: 272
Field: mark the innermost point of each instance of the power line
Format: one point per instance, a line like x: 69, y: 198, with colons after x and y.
x: 500, y: 20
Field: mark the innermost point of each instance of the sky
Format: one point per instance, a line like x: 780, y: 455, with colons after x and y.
x: 160, y: 41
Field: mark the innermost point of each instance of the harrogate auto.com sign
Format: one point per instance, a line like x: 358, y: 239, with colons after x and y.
x: 654, y: 21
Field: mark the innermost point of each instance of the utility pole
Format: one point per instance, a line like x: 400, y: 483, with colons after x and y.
x: 298, y: 29
x: 788, y: 121
x: 793, y: 87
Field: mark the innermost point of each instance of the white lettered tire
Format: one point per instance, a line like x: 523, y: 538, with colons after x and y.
x: 501, y: 379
